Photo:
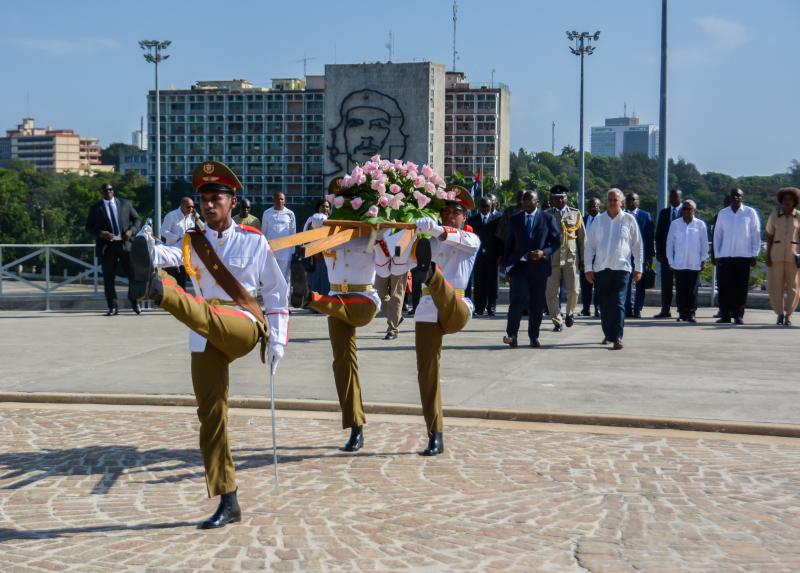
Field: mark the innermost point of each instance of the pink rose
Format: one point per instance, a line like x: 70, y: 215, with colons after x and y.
x: 419, y: 182
x: 412, y: 175
x: 356, y: 203
x: 451, y: 195
x: 441, y: 193
x: 383, y: 200
x: 346, y: 182
x: 422, y: 199
x: 386, y: 165
x: 395, y: 188
x: 411, y: 166
x: 375, y: 184
x: 375, y: 158
x: 430, y: 188
x: 427, y: 171
x: 396, y: 202
x: 330, y: 197
x: 338, y: 202
x: 372, y: 211
x: 437, y: 180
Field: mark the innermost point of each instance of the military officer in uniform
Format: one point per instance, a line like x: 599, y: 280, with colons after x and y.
x: 566, y: 259
x: 220, y: 329
x: 446, y: 259
x: 351, y: 303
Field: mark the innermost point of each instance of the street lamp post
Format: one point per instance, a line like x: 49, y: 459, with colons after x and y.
x: 663, y: 165
x: 154, y: 55
x: 583, y: 46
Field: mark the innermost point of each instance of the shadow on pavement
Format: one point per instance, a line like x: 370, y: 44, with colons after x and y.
x: 16, y: 534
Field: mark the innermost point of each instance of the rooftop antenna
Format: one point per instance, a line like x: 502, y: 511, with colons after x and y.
x: 625, y: 109
x: 455, y: 22
x: 305, y: 60
x: 553, y: 139
x: 390, y: 46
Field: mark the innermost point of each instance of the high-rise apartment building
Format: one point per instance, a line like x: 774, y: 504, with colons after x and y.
x: 51, y: 150
x: 271, y: 137
x: 477, y: 128
x: 624, y: 136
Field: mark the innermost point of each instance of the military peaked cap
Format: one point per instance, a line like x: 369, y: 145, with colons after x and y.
x: 215, y: 173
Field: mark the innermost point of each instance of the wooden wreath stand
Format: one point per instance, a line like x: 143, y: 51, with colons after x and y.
x: 334, y: 233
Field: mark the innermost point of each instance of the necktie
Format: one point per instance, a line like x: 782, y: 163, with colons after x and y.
x: 113, y: 217
x: 674, y: 213
x: 529, y: 222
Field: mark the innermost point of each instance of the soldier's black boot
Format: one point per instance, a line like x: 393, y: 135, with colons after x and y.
x: 424, y: 264
x: 301, y: 294
x: 356, y: 440
x: 435, y: 445
x: 145, y: 282
x: 227, y: 512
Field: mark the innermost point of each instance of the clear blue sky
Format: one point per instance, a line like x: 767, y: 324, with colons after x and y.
x: 734, y: 87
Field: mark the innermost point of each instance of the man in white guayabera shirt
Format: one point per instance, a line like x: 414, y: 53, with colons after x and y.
x: 737, y: 241
x: 613, y: 239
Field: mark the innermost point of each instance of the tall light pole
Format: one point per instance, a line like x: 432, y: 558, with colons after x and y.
x: 154, y: 49
x: 583, y: 46
x: 663, y: 165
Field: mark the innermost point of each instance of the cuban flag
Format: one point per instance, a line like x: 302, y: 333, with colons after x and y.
x: 475, y: 184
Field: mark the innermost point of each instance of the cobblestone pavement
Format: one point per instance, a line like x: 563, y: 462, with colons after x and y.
x: 96, y: 488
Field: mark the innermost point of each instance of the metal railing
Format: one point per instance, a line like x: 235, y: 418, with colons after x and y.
x: 47, y: 283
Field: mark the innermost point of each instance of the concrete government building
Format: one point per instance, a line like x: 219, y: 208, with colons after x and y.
x: 625, y: 136
x: 297, y: 134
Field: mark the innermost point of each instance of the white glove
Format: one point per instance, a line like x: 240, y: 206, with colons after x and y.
x: 147, y: 233
x: 275, y: 353
x: 317, y: 219
x: 428, y: 226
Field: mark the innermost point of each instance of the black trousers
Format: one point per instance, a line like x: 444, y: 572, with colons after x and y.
x: 179, y: 274
x: 733, y: 278
x: 667, y: 280
x: 587, y: 290
x: 686, y: 284
x: 113, y: 259
x: 485, y: 284
x: 526, y: 289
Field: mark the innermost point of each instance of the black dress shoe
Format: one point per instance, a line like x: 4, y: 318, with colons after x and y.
x: 738, y: 320
x: 723, y: 321
x: 663, y: 314
x: 510, y: 340
x: 585, y: 312
x: 569, y: 320
x: 113, y: 309
x: 424, y: 264
x: 637, y: 314
x: 144, y: 282
x: 558, y: 327
x: 435, y: 445
x: 597, y: 314
x: 780, y: 319
x: 356, y: 440
x: 227, y: 512
x: 490, y: 312
x: 628, y: 314
x: 301, y: 294
x: 390, y: 336
x: 135, y: 307
x: 535, y: 343
x: 618, y: 345
x: 605, y: 341
x: 691, y: 318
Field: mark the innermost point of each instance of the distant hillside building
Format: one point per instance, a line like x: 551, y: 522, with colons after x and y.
x: 51, y: 150
x: 624, y: 136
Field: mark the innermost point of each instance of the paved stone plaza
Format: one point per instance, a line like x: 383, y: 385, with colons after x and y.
x: 112, y: 488
x: 706, y: 371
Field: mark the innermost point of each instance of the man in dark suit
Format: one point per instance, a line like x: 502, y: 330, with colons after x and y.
x: 532, y: 238
x: 484, y: 275
x: 665, y: 218
x: 635, y: 303
x: 113, y: 222
x: 587, y: 288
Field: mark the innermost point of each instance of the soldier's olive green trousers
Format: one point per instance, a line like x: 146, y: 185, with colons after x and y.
x: 453, y: 316
x: 569, y: 275
x: 346, y: 312
x: 230, y: 334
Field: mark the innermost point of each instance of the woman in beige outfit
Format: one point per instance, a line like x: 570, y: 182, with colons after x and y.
x: 783, y: 245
